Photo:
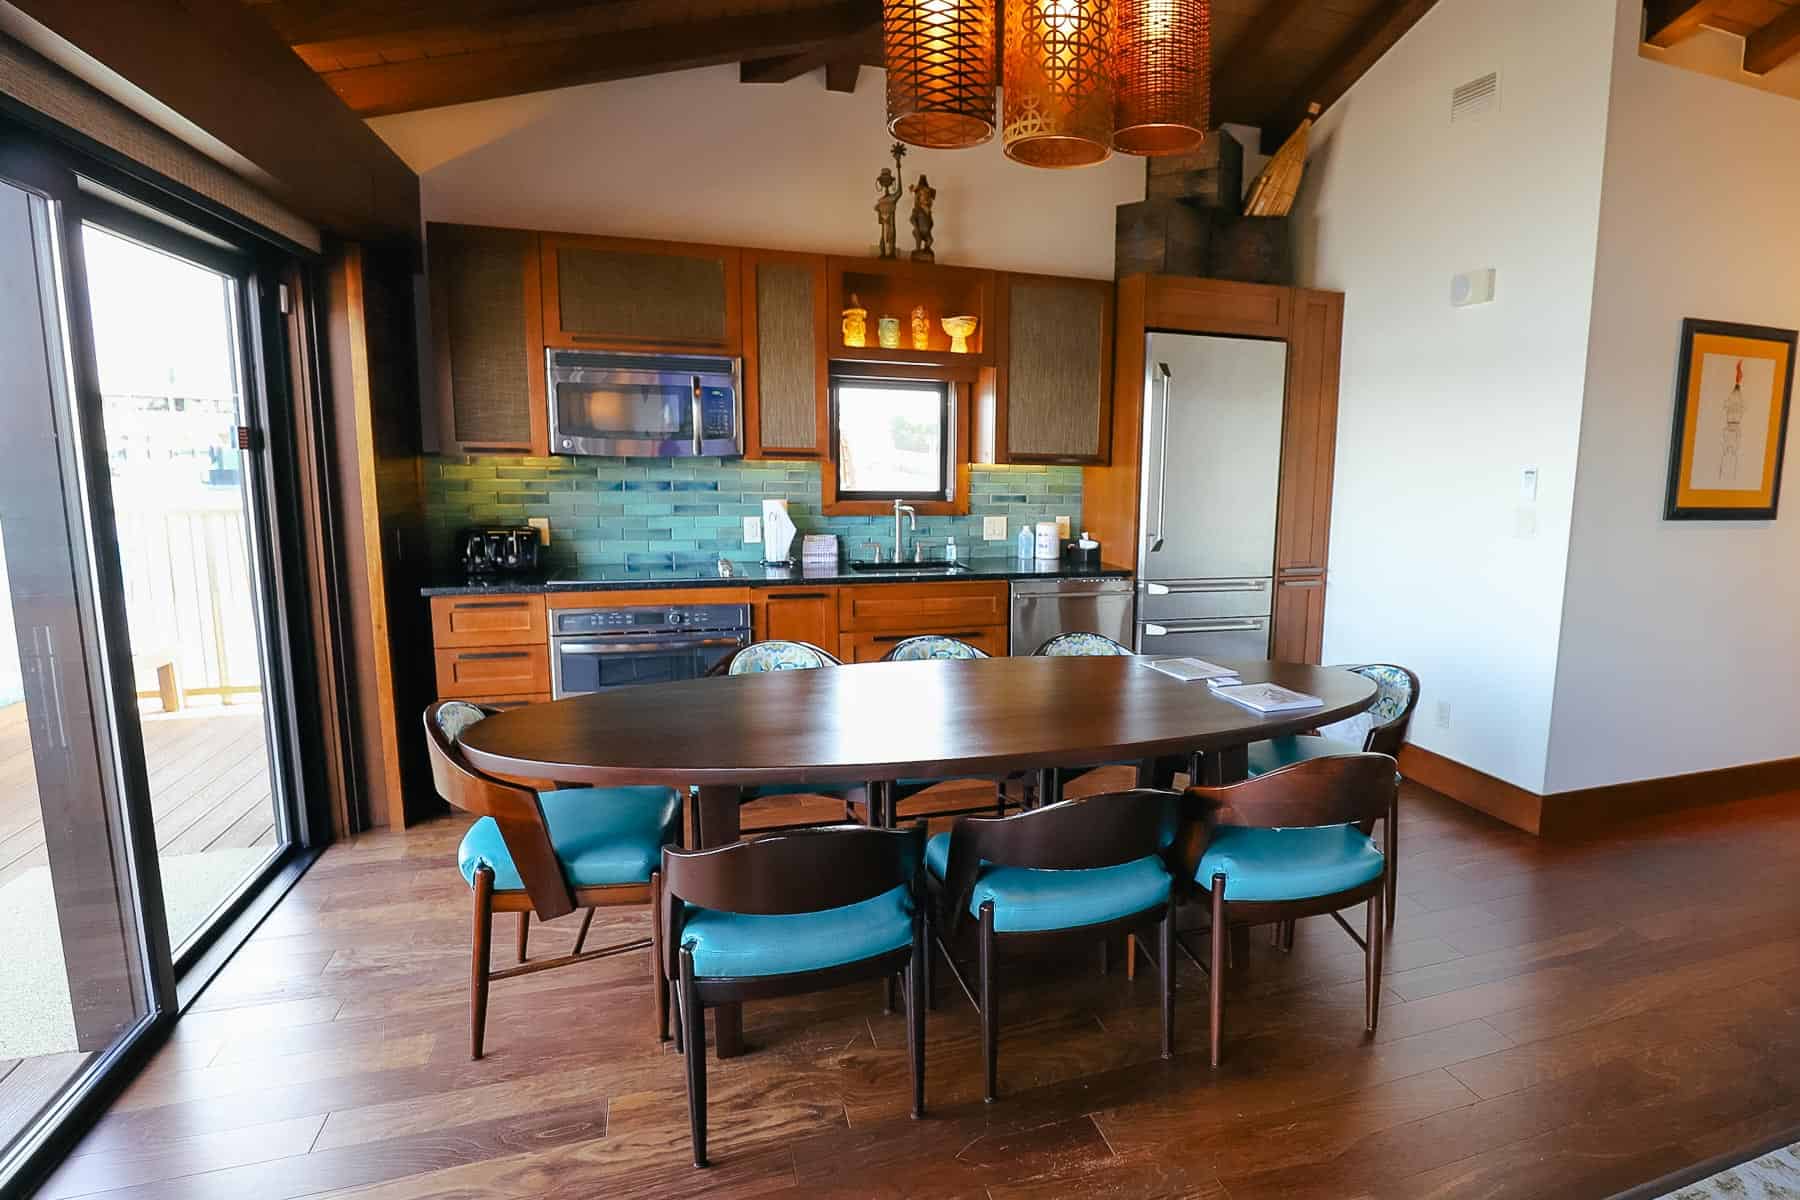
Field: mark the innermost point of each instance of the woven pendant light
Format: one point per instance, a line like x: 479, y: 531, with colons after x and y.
x: 1163, y: 67
x: 940, y: 71
x: 1058, y: 105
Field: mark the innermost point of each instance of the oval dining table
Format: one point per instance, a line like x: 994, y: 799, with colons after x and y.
x: 879, y: 722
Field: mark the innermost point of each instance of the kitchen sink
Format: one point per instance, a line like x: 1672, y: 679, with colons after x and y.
x: 911, y: 568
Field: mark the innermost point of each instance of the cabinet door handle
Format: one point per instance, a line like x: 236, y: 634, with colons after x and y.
x: 797, y: 596
x: 1225, y: 585
x: 1303, y: 583
x: 964, y: 634
x: 465, y: 605
x: 488, y: 655
x: 1162, y: 461
x: 1165, y: 628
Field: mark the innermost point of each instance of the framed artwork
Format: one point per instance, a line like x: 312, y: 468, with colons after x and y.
x: 1731, y: 415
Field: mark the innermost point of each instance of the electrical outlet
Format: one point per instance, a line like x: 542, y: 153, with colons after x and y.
x: 1062, y: 528
x: 993, y: 529
x: 542, y: 525
x: 1443, y: 714
x: 752, y: 531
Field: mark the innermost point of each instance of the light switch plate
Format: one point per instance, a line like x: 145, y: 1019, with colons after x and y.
x: 752, y: 531
x: 993, y: 529
x: 1528, y: 481
x: 542, y: 525
x: 1062, y: 527
x: 1472, y: 287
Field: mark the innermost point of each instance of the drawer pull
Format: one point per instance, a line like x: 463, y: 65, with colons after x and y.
x: 965, y: 634
x: 465, y: 605
x: 488, y: 655
x: 797, y: 596
x: 1302, y: 583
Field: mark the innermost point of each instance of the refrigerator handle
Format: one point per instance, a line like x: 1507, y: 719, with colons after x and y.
x: 1162, y: 460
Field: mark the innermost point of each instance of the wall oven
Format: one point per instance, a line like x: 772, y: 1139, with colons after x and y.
x: 645, y: 405
x: 597, y: 648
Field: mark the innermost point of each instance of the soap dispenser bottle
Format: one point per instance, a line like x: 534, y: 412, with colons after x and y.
x: 1027, y: 542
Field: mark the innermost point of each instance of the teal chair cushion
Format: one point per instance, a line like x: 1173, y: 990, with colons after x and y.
x: 602, y: 836
x: 729, y: 945
x: 1281, y: 752
x: 1027, y: 900
x: 1289, y: 864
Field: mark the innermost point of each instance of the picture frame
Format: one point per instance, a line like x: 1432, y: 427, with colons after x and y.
x: 1733, y: 389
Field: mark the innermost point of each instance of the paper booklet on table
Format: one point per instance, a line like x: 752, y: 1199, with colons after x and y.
x: 1268, y: 697
x: 1189, y: 669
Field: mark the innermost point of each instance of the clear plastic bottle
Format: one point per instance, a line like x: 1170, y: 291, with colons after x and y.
x: 950, y: 548
x: 1026, y: 542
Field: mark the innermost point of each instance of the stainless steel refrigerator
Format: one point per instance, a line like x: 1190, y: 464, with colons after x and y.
x: 1211, y: 472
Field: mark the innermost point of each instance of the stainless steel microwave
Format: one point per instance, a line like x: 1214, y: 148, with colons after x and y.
x: 645, y: 405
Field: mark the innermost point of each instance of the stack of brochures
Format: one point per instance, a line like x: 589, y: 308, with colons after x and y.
x: 1189, y: 669
x: 1267, y: 697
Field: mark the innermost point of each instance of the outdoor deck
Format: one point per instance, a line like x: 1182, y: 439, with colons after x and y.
x: 209, y: 784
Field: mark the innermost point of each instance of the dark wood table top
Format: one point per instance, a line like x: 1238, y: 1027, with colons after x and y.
x: 876, y: 721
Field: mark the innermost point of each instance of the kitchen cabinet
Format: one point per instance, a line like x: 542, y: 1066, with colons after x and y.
x: 1299, y: 632
x: 484, y: 671
x: 487, y: 340
x: 603, y: 293
x: 487, y: 620
x: 796, y: 615
x: 872, y: 618
x: 491, y: 648
x: 1053, y: 393
x: 1308, y: 449
x: 872, y: 647
x: 786, y: 347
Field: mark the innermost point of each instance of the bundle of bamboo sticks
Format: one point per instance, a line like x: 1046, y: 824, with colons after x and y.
x: 1273, y: 193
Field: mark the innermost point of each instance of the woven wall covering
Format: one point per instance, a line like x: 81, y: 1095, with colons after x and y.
x: 1058, y: 107
x: 1162, y: 61
x: 940, y: 71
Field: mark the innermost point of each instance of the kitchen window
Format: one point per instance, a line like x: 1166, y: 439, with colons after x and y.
x: 891, y: 439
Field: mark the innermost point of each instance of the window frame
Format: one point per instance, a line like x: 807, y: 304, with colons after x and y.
x: 965, y: 389
x: 945, y: 389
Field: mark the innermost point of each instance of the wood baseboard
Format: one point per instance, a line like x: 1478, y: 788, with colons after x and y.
x: 1593, y: 810
x: 1495, y: 797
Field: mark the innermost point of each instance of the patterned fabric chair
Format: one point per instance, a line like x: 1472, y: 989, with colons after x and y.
x: 1066, y: 645
x: 932, y: 645
x: 548, y: 853
x: 779, y: 656
x: 785, y: 915
x: 1381, y: 729
x: 1294, y: 843
x: 1083, y: 870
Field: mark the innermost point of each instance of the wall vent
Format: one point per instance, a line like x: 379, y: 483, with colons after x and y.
x: 1475, y: 98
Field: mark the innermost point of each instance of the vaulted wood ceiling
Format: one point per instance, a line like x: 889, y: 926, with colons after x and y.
x: 1271, y: 57
x: 1770, y: 28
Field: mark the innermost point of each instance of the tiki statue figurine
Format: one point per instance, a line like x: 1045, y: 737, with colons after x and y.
x: 923, y: 195
x: 889, y: 200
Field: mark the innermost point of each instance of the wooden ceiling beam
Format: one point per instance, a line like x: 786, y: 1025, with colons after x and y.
x: 1237, y: 68
x: 842, y: 59
x: 306, y: 22
x: 1346, y: 64
x: 1667, y: 22
x: 541, y: 66
x: 779, y: 70
x: 1773, y: 44
x: 841, y: 73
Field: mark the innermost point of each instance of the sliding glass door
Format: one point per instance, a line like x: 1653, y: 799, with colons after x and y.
x: 82, y: 974
x: 168, y: 333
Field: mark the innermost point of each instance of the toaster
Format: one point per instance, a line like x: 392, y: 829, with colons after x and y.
x: 499, y: 550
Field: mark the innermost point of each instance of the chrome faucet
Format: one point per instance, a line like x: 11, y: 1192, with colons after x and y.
x: 912, y: 526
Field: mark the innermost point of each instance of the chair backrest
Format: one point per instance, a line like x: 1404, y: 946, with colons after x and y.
x: 1073, y: 835
x: 802, y: 871
x: 1380, y: 729
x: 515, y: 809
x: 1066, y: 645
x: 1339, y: 789
x: 932, y: 645
x: 779, y: 656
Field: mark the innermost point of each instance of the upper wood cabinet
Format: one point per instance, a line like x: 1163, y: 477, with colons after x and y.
x: 621, y: 294
x: 1309, y: 432
x: 1053, y: 393
x: 786, y: 325
x: 487, y: 340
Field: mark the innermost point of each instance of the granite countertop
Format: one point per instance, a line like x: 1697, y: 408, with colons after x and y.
x: 620, y: 578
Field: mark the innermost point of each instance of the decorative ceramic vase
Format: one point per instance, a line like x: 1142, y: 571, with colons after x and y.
x: 887, y: 330
x: 921, y: 329
x: 959, y: 329
x: 856, y: 324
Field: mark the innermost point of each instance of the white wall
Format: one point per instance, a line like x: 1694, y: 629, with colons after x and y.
x: 697, y: 156
x: 1440, y: 409
x: 1680, y: 638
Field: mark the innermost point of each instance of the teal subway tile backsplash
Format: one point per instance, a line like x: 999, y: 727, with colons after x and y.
x: 654, y: 511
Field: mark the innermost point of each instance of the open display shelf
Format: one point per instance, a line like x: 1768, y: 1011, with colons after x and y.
x: 893, y: 288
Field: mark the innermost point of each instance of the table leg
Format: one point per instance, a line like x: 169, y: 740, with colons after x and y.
x: 716, y: 818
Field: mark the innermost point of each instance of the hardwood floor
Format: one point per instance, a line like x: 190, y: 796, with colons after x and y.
x: 1558, y: 1021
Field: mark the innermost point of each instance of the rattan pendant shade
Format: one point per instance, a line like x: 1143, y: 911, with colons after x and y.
x: 940, y: 71
x: 1058, y: 65
x: 1162, y: 62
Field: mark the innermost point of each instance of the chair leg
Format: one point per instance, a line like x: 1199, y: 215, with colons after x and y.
x: 1391, y: 838
x: 1131, y: 957
x: 524, y: 933
x: 659, y: 982
x: 587, y: 919
x: 694, y: 1021
x: 1286, y: 941
x: 990, y: 1011
x: 478, y: 965
x: 890, y: 995
x: 915, y: 1014
x: 1374, y: 931
x: 1165, y: 961
x: 929, y: 982
x: 1221, y: 957
x: 679, y: 1024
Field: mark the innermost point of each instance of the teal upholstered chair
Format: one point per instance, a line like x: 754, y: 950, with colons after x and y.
x: 788, y: 914
x: 1380, y: 729
x: 932, y: 646
x: 546, y: 852
x: 1293, y: 843
x: 1083, y: 870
